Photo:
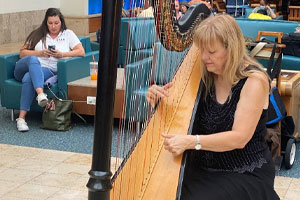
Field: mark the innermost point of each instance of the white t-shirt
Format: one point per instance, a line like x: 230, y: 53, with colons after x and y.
x: 147, y: 12
x: 64, y: 42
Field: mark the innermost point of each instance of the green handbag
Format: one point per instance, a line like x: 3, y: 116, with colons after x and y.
x: 57, y: 115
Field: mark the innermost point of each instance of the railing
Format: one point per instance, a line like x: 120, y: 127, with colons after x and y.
x: 294, y: 14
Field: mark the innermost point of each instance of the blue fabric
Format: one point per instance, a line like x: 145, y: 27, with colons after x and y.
x: 28, y: 70
x: 250, y: 27
x: 166, y: 63
x: 50, y: 81
x: 137, y: 33
x: 278, y: 113
x: 129, y: 4
x: 137, y: 76
x: 95, y: 6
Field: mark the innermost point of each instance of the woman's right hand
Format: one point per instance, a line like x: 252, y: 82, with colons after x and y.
x: 42, y: 53
x: 156, y: 92
x: 45, y: 53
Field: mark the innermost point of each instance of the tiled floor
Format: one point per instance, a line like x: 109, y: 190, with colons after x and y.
x: 39, y: 174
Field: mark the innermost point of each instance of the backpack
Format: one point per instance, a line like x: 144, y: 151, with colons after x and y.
x: 292, y: 42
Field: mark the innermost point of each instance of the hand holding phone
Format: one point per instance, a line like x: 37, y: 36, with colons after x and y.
x: 51, y: 47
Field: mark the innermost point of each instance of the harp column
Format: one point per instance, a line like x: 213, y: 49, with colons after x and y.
x: 99, y: 184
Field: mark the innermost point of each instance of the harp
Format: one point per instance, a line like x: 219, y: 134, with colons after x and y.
x: 146, y: 171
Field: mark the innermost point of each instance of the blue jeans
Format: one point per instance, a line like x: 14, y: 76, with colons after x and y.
x: 29, y: 71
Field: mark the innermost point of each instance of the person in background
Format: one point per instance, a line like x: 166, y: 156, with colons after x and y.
x: 39, y: 55
x: 184, y: 6
x: 125, y: 13
x: 227, y: 155
x: 265, y: 9
x: 133, y: 7
x: 177, y: 9
x: 148, y: 11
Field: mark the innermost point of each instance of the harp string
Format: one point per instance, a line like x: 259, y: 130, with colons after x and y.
x: 127, y: 133
x: 131, y: 102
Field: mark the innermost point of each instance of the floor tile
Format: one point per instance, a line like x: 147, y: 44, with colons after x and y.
x: 56, y: 180
x: 282, y: 182
x: 69, y: 195
x: 80, y: 159
x: 7, y: 186
x: 80, y: 184
x: 3, y: 168
x: 8, y: 160
x: 52, y: 155
x: 13, y: 198
x: 25, y: 152
x: 66, y: 168
x: 292, y: 195
x: 32, y: 191
x: 35, y: 165
x: 281, y: 192
x: 18, y: 175
x: 295, y: 184
x: 5, y: 147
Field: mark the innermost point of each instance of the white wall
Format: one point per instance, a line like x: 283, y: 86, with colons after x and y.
x: 74, y: 7
x: 12, y: 6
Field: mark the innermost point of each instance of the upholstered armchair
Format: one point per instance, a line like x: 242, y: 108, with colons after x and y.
x: 69, y: 69
x: 137, y: 37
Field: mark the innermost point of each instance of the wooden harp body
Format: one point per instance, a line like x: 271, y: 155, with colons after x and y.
x: 156, y: 175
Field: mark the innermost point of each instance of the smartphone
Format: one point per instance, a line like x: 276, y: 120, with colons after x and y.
x: 51, y: 47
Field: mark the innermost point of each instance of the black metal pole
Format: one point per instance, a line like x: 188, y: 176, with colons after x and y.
x: 99, y: 184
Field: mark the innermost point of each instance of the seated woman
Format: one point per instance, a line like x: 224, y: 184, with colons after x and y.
x: 227, y: 155
x: 148, y: 11
x: 39, y: 55
x: 264, y: 8
x: 133, y: 7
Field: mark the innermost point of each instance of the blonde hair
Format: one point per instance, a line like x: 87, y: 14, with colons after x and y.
x: 224, y: 28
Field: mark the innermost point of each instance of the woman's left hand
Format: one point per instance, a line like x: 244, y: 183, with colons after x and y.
x: 57, y: 54
x: 177, y: 144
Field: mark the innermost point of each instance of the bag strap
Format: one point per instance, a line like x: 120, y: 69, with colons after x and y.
x: 77, y: 114
x: 257, y: 49
x: 271, y: 61
x: 55, y: 95
x: 273, y: 70
x: 263, y: 39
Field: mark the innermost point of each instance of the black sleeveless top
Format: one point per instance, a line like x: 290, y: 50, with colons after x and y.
x: 213, y: 117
